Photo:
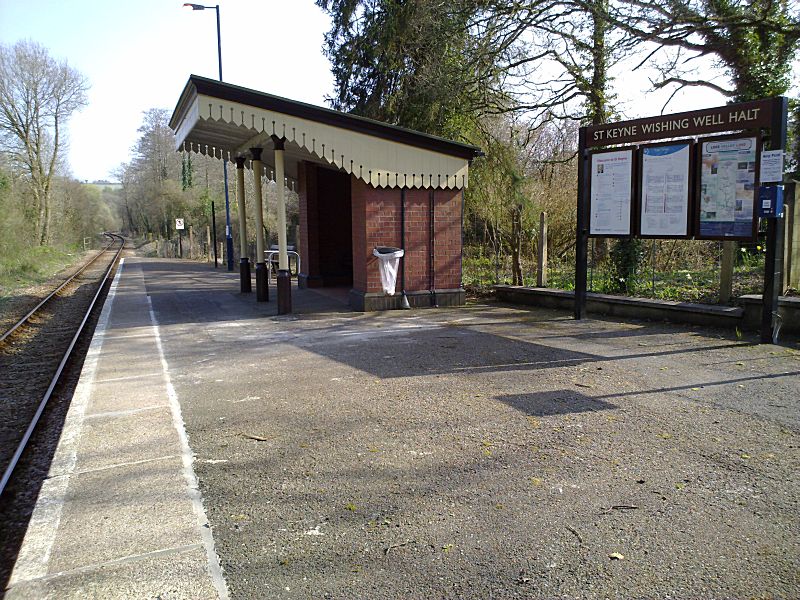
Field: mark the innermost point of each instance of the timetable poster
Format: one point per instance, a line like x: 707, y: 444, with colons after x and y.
x: 727, y: 188
x: 665, y: 190
x: 610, y: 198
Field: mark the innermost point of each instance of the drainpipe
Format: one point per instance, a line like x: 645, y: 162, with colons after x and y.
x: 431, y: 264
x: 404, y: 299
x: 461, y: 275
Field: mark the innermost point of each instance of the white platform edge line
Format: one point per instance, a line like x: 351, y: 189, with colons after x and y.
x: 193, y: 488
x: 34, y: 555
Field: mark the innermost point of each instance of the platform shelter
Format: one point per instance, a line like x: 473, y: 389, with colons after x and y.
x: 362, y: 184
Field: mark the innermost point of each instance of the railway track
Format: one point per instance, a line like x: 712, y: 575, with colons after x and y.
x: 35, y: 352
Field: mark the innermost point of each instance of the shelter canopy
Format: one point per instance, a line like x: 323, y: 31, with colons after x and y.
x: 225, y: 121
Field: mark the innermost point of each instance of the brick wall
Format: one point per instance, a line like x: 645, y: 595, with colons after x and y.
x: 376, y: 222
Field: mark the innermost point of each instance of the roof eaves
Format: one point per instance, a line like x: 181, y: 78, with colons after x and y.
x: 235, y: 93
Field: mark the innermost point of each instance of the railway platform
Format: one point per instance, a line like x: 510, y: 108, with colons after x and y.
x: 216, y: 449
x: 120, y: 513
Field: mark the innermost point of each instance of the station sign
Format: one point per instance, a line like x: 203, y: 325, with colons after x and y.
x: 735, y: 117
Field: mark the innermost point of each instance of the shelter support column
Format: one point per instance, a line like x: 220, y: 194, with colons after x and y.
x: 262, y: 283
x: 245, y: 285
x: 284, y: 276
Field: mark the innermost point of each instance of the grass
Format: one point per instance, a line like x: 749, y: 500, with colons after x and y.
x: 32, y: 266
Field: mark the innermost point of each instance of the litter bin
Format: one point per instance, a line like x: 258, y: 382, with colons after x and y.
x: 388, y: 262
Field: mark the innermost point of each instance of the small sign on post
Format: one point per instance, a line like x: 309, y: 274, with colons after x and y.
x: 179, y: 224
x: 771, y: 166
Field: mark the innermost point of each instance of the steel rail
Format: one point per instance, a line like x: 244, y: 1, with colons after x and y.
x: 54, y: 381
x: 24, y: 319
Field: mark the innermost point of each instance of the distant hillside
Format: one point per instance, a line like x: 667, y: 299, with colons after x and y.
x: 102, y: 184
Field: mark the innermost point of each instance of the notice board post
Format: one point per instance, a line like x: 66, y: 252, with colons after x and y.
x: 582, y: 233
x: 773, y: 263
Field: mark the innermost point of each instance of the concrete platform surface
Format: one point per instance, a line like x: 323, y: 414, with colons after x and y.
x: 119, y: 515
x: 478, y: 452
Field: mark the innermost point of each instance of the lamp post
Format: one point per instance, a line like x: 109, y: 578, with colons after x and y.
x: 228, y: 232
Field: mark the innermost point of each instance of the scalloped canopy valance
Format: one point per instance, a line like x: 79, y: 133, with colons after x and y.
x: 225, y: 121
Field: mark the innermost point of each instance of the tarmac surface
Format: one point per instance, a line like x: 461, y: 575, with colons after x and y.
x: 480, y: 452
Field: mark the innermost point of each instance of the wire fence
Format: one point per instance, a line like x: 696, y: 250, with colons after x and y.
x: 680, y: 270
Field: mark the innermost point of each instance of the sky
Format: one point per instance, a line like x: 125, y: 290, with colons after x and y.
x: 139, y: 54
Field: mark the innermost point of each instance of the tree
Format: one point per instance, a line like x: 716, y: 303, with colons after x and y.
x: 402, y: 62
x: 753, y: 41
x: 37, y: 95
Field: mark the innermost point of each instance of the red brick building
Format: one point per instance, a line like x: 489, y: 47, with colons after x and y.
x: 362, y: 184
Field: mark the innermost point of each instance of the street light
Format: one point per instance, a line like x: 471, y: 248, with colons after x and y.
x: 228, y: 232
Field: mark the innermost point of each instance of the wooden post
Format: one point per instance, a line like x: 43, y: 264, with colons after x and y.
x: 191, y: 242
x: 541, y: 273
x: 582, y: 227
x: 208, y: 242
x: 792, y: 249
x: 726, y: 271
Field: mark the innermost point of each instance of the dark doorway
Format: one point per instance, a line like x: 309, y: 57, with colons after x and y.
x: 335, y: 236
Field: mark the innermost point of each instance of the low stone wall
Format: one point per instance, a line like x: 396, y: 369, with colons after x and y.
x: 747, y: 316
x: 359, y: 301
x: 788, y: 309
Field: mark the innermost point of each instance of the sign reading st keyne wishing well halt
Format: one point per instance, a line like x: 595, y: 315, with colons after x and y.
x: 736, y: 117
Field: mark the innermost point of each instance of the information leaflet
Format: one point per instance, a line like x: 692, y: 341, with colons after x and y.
x: 611, y: 193
x: 727, y: 188
x: 665, y: 190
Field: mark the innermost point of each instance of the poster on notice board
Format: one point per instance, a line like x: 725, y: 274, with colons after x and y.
x: 664, y: 203
x: 610, y: 193
x: 727, y: 188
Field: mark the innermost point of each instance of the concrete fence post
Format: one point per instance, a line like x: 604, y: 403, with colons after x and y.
x: 791, y: 250
x: 726, y: 271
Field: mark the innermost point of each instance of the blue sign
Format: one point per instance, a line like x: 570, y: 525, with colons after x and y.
x: 770, y: 201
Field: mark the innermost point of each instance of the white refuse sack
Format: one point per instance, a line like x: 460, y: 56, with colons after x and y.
x: 388, y: 263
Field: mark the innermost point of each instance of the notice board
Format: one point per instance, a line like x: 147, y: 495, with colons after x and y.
x: 728, y: 187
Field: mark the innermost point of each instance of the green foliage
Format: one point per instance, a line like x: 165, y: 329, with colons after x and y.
x: 410, y: 62
x: 757, y: 43
x: 32, y: 265
x: 186, y: 172
x: 793, y: 146
x: 626, y: 256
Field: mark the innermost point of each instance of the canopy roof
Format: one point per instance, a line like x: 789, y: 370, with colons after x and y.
x: 224, y: 120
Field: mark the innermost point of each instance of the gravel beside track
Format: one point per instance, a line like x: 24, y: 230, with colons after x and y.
x: 488, y: 452
x: 30, y: 357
